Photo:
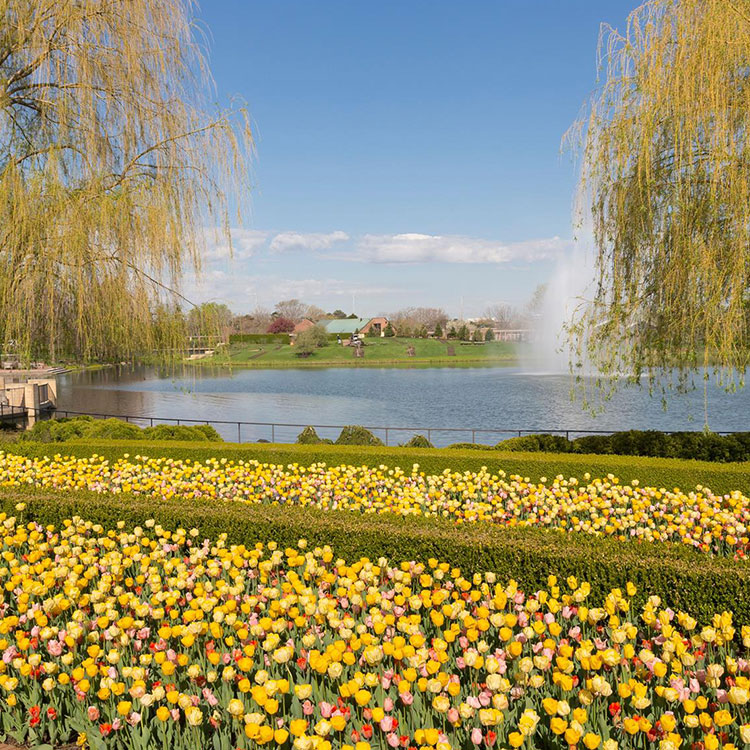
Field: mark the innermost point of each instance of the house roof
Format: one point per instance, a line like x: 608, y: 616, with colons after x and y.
x: 344, y: 325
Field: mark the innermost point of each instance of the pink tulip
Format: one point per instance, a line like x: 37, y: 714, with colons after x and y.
x: 476, y: 736
x: 93, y: 713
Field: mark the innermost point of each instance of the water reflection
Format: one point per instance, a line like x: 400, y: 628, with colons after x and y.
x: 500, y: 398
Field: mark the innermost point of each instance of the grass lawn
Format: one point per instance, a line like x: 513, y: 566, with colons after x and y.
x: 378, y: 352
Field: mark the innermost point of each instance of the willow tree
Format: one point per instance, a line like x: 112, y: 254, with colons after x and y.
x: 666, y: 170
x: 112, y: 165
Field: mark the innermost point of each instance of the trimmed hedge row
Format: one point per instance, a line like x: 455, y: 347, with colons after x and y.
x: 71, y: 428
x: 259, y: 338
x: 705, y: 446
x: 659, y: 472
x: 684, y: 578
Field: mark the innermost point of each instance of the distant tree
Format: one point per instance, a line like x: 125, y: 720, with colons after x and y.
x: 416, y: 317
x: 261, y: 319
x: 338, y: 314
x: 536, y: 302
x: 421, y: 332
x: 209, y: 319
x: 314, y: 313
x: 353, y: 316
x: 463, y: 332
x: 292, y: 309
x: 281, y: 325
x: 242, y: 324
x: 452, y: 333
x: 477, y: 335
x: 373, y: 332
x: 438, y: 332
x: 389, y: 332
x: 503, y: 315
x: 489, y: 335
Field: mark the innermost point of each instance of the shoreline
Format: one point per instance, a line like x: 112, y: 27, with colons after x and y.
x: 333, y: 363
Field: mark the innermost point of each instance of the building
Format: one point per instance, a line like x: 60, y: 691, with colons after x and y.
x: 304, y: 325
x: 512, y: 334
x: 344, y: 326
x: 376, y: 325
x: 348, y: 326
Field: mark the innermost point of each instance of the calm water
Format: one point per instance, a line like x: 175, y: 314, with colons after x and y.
x: 498, y: 398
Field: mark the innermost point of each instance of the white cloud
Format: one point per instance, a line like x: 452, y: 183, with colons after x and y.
x: 245, y: 244
x: 286, y: 241
x: 243, y: 291
x: 431, y: 248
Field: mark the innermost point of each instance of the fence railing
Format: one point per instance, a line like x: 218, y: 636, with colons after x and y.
x: 286, y: 432
x: 12, y: 412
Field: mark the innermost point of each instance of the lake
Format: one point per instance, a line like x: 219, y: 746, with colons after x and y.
x: 485, y: 398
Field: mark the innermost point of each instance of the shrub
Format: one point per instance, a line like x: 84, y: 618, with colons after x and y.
x: 536, y: 443
x: 58, y: 430
x: 489, y: 335
x: 192, y: 433
x: 469, y: 447
x: 310, y: 340
x: 593, y: 444
x: 309, y: 436
x: 418, y: 441
x: 113, y: 429
x: 389, y: 332
x: 85, y: 427
x: 438, y: 332
x: 281, y: 325
x: 356, y: 435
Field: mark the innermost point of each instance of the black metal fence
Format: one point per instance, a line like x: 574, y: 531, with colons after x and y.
x: 287, y: 432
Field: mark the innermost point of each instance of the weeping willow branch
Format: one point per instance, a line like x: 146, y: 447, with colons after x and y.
x: 665, y: 146
x: 112, y: 164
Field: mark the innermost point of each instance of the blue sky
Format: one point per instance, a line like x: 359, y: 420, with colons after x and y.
x: 408, y: 151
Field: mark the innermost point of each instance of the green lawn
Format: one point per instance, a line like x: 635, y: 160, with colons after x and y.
x: 378, y: 351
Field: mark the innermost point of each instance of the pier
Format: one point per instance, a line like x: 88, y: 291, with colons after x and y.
x: 22, y: 401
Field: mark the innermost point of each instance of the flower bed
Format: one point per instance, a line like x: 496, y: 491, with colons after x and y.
x: 715, y: 524
x: 154, y: 638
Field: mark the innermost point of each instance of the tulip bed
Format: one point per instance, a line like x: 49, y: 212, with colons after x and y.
x: 711, y: 523
x: 655, y: 472
x: 149, y: 638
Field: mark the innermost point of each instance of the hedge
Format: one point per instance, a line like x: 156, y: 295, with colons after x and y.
x: 88, y: 428
x: 259, y: 338
x: 705, y: 446
x: 684, y: 578
x: 659, y: 472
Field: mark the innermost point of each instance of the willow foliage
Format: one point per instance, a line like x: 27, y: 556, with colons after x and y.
x: 111, y: 165
x: 666, y: 163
